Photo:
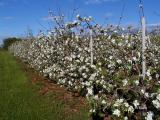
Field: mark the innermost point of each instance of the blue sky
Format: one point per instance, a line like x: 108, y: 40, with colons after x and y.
x: 18, y: 15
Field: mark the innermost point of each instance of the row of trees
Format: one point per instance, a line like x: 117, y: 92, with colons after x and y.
x: 8, y: 42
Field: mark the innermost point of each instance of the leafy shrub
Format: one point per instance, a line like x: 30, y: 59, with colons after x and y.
x: 8, y: 41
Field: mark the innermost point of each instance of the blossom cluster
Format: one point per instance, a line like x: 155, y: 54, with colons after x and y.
x: 113, y: 84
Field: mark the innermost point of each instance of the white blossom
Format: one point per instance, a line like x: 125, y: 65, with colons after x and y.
x: 125, y: 82
x: 119, y: 61
x: 136, y: 103
x: 118, y: 102
x: 156, y: 103
x: 104, y: 102
x: 157, y: 76
x: 136, y: 82
x: 158, y: 97
x: 142, y: 91
x: 117, y: 112
x: 92, y: 111
x: 125, y: 118
x: 126, y: 104
x: 131, y: 109
x: 90, y: 91
x: 149, y: 116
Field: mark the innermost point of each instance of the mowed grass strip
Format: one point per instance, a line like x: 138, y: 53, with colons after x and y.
x: 19, y: 99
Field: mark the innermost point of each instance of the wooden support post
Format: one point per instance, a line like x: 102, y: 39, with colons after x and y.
x: 143, y: 48
x: 91, y: 46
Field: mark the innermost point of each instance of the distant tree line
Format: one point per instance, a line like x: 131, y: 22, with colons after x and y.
x: 8, y: 41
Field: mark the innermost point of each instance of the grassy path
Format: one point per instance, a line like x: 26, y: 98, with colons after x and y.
x: 19, y: 99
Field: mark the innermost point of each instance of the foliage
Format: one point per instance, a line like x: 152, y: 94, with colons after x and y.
x: 8, y: 41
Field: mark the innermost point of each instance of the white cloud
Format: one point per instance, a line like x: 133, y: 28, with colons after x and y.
x: 98, y: 1
x: 153, y: 24
x: 7, y: 18
x: 108, y: 14
x: 48, y: 18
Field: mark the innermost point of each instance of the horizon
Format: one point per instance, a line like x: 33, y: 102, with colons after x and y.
x: 19, y: 15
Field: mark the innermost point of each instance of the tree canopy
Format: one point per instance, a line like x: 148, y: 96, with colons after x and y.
x: 8, y: 41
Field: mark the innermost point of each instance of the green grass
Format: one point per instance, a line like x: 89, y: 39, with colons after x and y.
x: 19, y: 99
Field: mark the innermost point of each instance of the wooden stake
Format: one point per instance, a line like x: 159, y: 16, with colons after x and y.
x: 143, y: 48
x: 91, y: 46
